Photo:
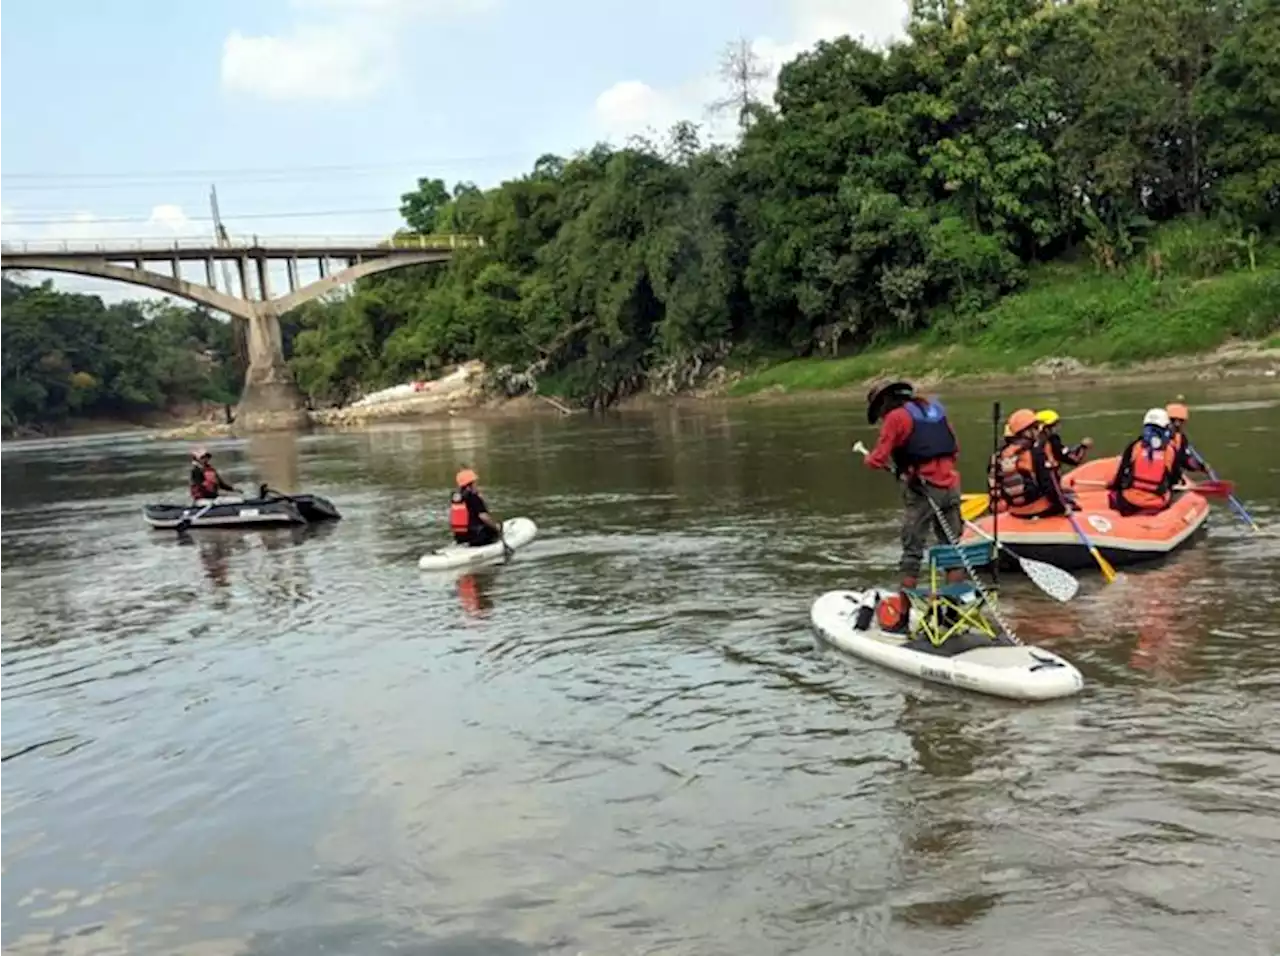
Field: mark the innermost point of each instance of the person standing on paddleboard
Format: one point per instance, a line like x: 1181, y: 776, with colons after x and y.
x: 469, y: 517
x: 918, y: 443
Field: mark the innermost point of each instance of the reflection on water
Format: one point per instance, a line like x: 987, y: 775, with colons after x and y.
x: 626, y: 739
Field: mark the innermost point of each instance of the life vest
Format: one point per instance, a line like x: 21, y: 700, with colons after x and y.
x: 1016, y: 476
x: 459, y: 516
x: 1148, y: 482
x: 931, y: 436
x: 207, y: 486
x: 893, y: 613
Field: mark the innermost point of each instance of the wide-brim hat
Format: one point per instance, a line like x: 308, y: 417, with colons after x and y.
x: 876, y: 397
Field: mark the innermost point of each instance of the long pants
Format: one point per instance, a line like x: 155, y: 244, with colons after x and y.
x: 918, y: 517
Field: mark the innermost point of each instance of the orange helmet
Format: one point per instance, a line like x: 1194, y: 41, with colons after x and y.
x: 465, y: 477
x: 1177, y: 410
x: 1021, y: 420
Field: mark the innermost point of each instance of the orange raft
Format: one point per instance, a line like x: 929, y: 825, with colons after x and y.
x: 1122, y: 540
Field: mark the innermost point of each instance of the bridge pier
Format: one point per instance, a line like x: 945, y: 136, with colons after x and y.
x: 271, y: 398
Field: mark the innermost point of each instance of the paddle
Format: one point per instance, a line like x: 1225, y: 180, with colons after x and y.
x: 1108, y: 572
x: 973, y: 506
x: 1213, y: 488
x: 187, y: 517
x: 1232, y: 500
x: 1049, y: 578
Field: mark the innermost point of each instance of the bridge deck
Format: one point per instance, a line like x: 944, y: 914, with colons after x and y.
x: 191, y: 249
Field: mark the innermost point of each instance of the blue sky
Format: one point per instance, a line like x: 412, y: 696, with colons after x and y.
x: 118, y: 115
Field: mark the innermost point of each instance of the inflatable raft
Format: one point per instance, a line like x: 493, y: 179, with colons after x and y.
x: 517, y: 532
x: 969, y: 660
x: 1122, y: 540
x: 267, y: 510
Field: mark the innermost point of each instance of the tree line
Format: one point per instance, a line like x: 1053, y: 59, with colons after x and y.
x: 881, y: 192
x: 70, y: 356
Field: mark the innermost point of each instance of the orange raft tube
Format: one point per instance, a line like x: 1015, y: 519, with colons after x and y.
x: 1122, y: 540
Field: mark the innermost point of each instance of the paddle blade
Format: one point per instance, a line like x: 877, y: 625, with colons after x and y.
x: 1050, y: 579
x: 1218, y: 488
x: 972, y: 506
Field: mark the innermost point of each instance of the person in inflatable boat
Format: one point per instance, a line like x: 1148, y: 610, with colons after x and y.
x: 1055, y: 449
x: 917, y: 442
x: 1144, y: 479
x: 205, y: 480
x: 1021, y: 474
x: 1187, y: 459
x: 469, y: 517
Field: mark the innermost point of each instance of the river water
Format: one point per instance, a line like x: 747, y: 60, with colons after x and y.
x: 627, y: 739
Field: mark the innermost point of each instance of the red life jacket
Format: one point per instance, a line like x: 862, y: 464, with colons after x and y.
x: 1149, y: 482
x: 1016, y: 475
x: 459, y: 516
x: 207, y: 487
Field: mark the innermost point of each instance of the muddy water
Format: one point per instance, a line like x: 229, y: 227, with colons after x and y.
x: 625, y: 741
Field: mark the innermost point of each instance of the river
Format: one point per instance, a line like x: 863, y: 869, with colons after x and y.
x: 626, y: 740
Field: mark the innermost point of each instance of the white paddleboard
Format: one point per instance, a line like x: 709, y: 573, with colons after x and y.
x: 517, y: 531
x: 969, y: 661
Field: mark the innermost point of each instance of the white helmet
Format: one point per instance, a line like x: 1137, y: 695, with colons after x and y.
x: 1158, y: 417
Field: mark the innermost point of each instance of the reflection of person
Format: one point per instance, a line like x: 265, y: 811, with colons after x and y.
x: 472, y: 594
x: 469, y: 517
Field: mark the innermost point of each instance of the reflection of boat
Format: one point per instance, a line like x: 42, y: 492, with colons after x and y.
x: 267, y: 510
x: 1122, y: 540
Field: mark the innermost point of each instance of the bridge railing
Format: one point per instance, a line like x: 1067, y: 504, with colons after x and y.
x: 281, y: 244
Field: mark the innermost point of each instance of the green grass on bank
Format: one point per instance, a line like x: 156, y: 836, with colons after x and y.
x: 1206, y: 293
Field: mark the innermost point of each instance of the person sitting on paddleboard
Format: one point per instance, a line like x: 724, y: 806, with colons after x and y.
x: 1055, y: 449
x: 918, y: 442
x: 469, y: 517
x: 1185, y: 458
x: 1021, y: 473
x: 1144, y: 479
x: 205, y: 480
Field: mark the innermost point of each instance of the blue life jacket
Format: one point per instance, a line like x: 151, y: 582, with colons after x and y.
x: 931, y: 436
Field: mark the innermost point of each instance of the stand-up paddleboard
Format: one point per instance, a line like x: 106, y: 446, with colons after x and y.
x: 968, y: 660
x: 518, y: 532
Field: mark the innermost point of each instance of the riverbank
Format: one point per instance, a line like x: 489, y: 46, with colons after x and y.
x: 964, y: 369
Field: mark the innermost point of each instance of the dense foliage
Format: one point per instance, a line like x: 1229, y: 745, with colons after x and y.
x: 67, y: 355
x: 883, y: 192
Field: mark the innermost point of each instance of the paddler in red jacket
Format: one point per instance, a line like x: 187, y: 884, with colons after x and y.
x: 918, y: 443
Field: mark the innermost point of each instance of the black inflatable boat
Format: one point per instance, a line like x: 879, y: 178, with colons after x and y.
x: 269, y: 509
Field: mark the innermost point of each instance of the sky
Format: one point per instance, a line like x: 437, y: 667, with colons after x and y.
x: 312, y: 117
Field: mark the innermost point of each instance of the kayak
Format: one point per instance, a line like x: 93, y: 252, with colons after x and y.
x: 968, y: 660
x: 518, y: 532
x: 1122, y: 540
x: 233, y: 512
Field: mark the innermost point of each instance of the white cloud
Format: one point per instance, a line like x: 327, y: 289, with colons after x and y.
x: 328, y: 62
x: 341, y: 50
x: 634, y: 107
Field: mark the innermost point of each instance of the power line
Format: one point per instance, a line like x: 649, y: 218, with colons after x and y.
x: 263, y: 170
x: 82, y: 220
